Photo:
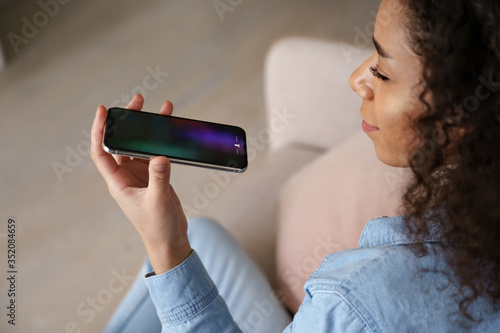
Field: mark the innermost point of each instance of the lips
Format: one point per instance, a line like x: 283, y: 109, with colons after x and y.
x: 368, y: 128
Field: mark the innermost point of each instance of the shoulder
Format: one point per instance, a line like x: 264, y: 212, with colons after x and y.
x: 358, y: 272
x: 387, y: 286
x: 348, y: 289
x: 384, y: 253
x: 329, y: 313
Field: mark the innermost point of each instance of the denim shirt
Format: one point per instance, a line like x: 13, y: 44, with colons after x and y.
x: 378, y: 287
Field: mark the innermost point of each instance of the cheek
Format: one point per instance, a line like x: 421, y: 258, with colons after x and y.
x: 392, y: 112
x: 395, y: 118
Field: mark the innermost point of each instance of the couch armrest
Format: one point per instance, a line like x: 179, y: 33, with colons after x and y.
x: 309, y: 80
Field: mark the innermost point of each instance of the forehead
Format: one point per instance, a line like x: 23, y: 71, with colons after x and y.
x: 390, y: 30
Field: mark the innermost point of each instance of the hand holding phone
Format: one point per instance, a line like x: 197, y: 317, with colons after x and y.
x: 142, y: 190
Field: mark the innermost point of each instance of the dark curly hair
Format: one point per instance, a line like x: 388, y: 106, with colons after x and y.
x: 458, y: 42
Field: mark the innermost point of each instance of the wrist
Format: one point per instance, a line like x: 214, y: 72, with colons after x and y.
x: 164, y: 257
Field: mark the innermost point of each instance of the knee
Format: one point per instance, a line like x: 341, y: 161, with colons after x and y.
x: 203, y: 230
x: 200, y: 225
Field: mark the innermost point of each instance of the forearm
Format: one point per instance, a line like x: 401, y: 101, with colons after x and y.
x: 187, y: 300
x: 164, y: 257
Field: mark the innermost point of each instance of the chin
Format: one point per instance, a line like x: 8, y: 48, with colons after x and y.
x: 392, y: 160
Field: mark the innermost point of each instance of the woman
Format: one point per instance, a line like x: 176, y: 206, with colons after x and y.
x: 430, y: 103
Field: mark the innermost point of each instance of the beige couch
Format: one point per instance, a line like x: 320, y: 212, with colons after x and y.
x: 320, y: 170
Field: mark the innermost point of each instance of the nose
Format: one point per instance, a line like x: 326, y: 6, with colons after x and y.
x: 361, y: 81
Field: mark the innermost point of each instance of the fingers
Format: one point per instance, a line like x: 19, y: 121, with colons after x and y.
x: 120, y: 159
x: 167, y: 108
x: 104, y: 161
x: 136, y: 103
x: 159, y: 176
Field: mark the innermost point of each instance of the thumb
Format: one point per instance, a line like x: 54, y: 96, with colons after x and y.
x: 159, y: 175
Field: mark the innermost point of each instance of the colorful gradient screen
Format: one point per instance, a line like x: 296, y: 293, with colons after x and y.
x: 184, y: 139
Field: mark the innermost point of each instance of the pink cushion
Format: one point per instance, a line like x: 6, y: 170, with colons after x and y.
x: 307, y: 79
x: 324, y: 207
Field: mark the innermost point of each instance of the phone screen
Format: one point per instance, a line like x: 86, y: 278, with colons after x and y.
x: 178, y: 138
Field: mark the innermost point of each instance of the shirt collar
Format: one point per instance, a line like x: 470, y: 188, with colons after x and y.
x: 385, y: 231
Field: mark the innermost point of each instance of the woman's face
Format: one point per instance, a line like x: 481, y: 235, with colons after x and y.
x: 388, y: 84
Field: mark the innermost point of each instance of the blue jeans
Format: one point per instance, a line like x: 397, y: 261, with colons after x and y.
x: 250, y: 299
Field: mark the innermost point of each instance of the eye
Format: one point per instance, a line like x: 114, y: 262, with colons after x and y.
x: 374, y: 71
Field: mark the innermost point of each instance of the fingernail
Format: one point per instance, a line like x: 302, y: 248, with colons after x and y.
x: 161, y: 167
x: 164, y: 106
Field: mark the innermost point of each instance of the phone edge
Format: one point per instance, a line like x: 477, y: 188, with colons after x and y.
x: 173, y: 160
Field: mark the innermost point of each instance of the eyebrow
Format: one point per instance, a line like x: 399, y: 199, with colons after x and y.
x: 380, y: 50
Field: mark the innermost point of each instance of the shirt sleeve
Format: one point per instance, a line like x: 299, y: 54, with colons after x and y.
x: 326, y: 312
x: 187, y: 300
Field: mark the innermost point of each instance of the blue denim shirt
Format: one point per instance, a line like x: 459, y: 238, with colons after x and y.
x: 378, y: 287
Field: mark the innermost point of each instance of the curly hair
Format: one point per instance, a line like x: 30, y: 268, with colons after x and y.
x: 458, y: 43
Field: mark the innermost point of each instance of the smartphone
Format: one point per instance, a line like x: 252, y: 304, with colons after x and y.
x: 141, y: 134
